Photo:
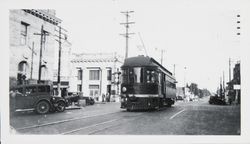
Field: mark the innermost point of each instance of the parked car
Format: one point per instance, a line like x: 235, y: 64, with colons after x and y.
x: 89, y: 100
x: 179, y: 98
x: 38, y: 97
x: 216, y: 100
x: 72, y: 98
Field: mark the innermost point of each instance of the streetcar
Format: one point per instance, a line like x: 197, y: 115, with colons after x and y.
x: 146, y: 84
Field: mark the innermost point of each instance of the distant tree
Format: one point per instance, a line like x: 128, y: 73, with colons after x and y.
x: 194, y: 88
x: 206, y: 92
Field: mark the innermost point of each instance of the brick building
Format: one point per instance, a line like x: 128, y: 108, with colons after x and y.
x: 24, y: 45
x: 95, y: 75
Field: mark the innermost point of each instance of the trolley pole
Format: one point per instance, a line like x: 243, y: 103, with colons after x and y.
x: 127, y: 23
x: 161, y: 51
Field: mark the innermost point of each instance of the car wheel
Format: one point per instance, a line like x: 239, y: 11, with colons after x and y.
x: 42, y: 107
x: 60, y: 106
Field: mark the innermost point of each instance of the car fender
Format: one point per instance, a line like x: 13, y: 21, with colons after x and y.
x: 61, y: 100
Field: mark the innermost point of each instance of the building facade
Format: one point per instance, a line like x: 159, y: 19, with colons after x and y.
x: 96, y: 75
x: 234, y: 90
x: 25, y: 40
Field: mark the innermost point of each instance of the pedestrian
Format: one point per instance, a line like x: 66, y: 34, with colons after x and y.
x: 107, y: 97
x: 103, y: 97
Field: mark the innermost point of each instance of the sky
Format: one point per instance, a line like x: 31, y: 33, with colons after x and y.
x: 198, y: 35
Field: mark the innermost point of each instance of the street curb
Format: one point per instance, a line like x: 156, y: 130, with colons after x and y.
x: 72, y: 108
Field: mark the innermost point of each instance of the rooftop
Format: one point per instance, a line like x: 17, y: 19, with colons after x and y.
x: 96, y: 57
x: 48, y: 15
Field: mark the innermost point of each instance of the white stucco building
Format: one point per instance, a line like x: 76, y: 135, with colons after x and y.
x: 95, y: 74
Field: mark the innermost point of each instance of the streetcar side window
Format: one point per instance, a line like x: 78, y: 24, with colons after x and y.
x: 170, y: 85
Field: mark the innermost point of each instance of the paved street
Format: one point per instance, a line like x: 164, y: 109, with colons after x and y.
x: 184, y: 118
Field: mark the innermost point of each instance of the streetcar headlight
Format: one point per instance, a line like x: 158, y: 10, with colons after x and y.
x: 124, y: 89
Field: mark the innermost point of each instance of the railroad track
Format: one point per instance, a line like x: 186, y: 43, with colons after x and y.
x: 95, y: 128
x: 89, y: 129
x: 61, y: 121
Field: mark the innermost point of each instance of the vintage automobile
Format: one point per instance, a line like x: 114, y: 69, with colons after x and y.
x: 89, y: 100
x: 38, y: 97
x: 216, y: 100
x: 74, y: 97
x: 179, y: 98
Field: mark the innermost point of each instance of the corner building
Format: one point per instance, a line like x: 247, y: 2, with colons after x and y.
x: 24, y: 45
x: 96, y: 75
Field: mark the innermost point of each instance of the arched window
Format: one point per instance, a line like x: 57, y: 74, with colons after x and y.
x: 23, y: 67
x: 22, y: 72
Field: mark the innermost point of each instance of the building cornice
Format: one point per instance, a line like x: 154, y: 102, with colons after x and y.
x: 91, y: 60
x: 44, y: 15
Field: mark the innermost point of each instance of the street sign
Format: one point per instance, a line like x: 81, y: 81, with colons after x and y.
x: 236, y: 87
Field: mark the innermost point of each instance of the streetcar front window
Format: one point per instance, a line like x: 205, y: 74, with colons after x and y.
x: 138, y: 75
x: 132, y: 75
x: 151, y: 76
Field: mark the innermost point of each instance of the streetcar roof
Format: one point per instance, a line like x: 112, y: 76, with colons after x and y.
x: 143, y: 61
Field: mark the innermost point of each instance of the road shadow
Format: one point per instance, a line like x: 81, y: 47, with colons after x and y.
x: 150, y: 110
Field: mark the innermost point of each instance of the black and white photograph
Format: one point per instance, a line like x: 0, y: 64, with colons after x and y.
x: 139, y: 71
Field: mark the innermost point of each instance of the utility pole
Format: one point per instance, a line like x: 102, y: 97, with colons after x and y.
x: 220, y: 87
x: 32, y: 58
x: 43, y: 35
x: 229, y: 69
x: 223, y: 85
x: 127, y: 23
x: 185, y: 69
x: 59, y: 57
x: 174, y: 69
